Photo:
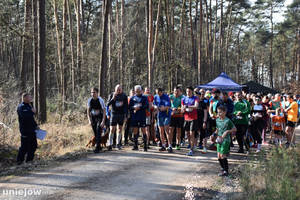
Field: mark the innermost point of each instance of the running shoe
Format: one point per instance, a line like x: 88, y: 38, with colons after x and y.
x: 190, y: 153
x: 195, y: 148
x: 159, y: 144
x: 224, y: 173
x: 182, y: 143
x: 221, y: 171
x: 135, y: 148
x: 162, y: 149
x: 142, y: 145
x: 280, y: 146
x: 109, y: 148
x: 214, y: 148
x: 177, y: 147
x: 97, y: 150
x: 189, y: 146
x: 204, y: 150
x: 173, y: 145
x: 145, y: 148
x: 148, y: 146
x: 287, y: 145
x: 257, y: 151
x: 200, y: 146
x: 240, y: 151
x: 265, y: 143
x: 118, y: 147
x: 170, y: 150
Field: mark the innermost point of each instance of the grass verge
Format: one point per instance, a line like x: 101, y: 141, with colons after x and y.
x: 273, y: 175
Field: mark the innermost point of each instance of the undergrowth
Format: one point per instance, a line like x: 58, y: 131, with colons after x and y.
x: 273, y: 175
x: 69, y: 136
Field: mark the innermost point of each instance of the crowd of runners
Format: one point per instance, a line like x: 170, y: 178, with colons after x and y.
x: 177, y: 120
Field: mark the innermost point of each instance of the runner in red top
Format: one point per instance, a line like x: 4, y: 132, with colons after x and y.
x: 150, y: 126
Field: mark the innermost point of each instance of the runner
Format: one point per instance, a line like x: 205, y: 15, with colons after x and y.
x: 119, y: 105
x: 96, y: 115
x: 138, y: 104
x: 274, y: 104
x: 202, y: 119
x: 242, y: 109
x: 213, y: 115
x: 292, y: 113
x: 258, y: 114
x: 176, y: 115
x: 228, y: 103
x: 189, y: 108
x: 127, y: 132
x: 162, y: 106
x: 150, y: 125
x: 223, y: 130
x: 265, y: 102
x: 278, y: 127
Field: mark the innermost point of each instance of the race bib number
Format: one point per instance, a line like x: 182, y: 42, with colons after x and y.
x: 277, y: 124
x: 95, y: 112
x: 119, y: 103
x: 189, y: 110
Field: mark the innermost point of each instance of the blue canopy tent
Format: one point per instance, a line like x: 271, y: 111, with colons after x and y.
x: 223, y: 82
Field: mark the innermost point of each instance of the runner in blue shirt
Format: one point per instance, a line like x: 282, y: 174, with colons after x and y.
x: 138, y: 104
x: 162, y: 106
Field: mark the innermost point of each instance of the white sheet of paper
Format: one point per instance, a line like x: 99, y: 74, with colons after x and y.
x: 40, y: 134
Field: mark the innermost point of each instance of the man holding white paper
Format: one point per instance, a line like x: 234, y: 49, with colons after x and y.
x: 28, y: 126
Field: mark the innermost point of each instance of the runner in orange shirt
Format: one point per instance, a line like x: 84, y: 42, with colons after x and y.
x: 292, y: 113
x: 278, y: 122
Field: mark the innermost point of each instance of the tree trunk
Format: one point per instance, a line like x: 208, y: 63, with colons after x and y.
x: 77, y: 6
x: 208, y: 41
x: 25, y: 46
x: 293, y: 59
x: 122, y: 66
x: 61, y: 100
x: 72, y: 52
x: 192, y: 37
x: 150, y: 37
x: 215, y: 40
x: 35, y: 56
x: 271, y: 50
x: 298, y: 56
x: 284, y: 62
x: 103, y: 63
x: 200, y: 44
x: 42, y: 62
x: 253, y: 71
x: 238, y: 57
x: 227, y: 40
x: 63, y: 61
x: 221, y: 39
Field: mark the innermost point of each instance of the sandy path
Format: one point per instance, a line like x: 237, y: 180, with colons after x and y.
x: 123, y: 174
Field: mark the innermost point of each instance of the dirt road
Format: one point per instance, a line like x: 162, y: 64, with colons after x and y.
x: 124, y: 174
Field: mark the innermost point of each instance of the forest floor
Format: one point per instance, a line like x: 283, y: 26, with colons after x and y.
x: 126, y: 174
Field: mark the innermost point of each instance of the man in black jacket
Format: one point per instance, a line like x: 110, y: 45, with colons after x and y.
x: 27, y: 129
